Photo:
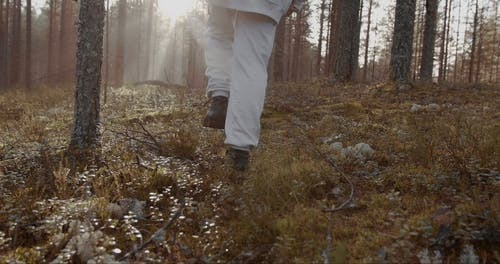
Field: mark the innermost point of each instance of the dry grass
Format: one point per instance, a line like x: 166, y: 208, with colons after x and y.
x: 433, y: 170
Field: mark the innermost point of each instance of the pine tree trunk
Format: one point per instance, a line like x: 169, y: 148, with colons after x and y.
x: 50, y: 44
x: 447, y: 43
x: 6, y: 48
x: 2, y: 59
x: 149, y: 37
x: 88, y: 74
x: 442, y: 43
x: 106, y: 64
x: 27, y: 63
x: 455, y: 68
x: 320, y: 39
x: 279, y: 58
x: 120, y: 42
x: 15, y: 68
x: 473, y: 46
x: 367, y: 40
x: 297, y: 47
x: 402, y: 46
x: 427, y: 63
x: 345, y: 40
x: 479, y: 48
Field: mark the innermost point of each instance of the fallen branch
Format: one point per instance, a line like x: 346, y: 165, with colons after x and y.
x: 156, y: 234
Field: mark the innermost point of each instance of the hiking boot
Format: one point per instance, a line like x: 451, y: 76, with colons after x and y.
x: 216, y: 116
x: 239, y: 158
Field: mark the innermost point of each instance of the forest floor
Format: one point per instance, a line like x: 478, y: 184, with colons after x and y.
x: 429, y: 192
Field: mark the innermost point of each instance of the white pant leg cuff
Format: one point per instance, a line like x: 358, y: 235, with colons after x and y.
x: 219, y: 93
x: 247, y: 149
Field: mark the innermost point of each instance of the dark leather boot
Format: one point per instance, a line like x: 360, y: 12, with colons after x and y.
x: 239, y: 158
x: 216, y: 116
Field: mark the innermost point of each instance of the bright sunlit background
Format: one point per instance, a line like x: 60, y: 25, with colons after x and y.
x: 172, y: 9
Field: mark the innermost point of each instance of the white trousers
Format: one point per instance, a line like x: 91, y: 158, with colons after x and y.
x: 238, y: 48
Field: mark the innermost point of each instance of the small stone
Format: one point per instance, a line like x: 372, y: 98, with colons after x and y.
x: 365, y: 150
x: 433, y: 107
x: 337, y: 146
x: 415, y: 108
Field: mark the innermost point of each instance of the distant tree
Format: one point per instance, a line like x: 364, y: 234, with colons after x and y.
x: 15, y: 65
x: 367, y: 39
x: 27, y: 63
x: 474, y: 43
x: 402, y: 43
x: 51, y: 40
x: 3, y: 38
x: 85, y: 134
x: 344, y: 34
x: 279, y: 52
x: 120, y: 42
x: 323, y: 6
x: 427, y: 63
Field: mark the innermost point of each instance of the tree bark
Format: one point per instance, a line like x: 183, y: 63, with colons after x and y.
x: 149, y: 37
x: 473, y: 46
x: 402, y: 45
x: 479, y: 48
x: 2, y: 58
x: 345, y: 46
x: 27, y: 63
x: 427, y: 63
x: 367, y: 40
x: 6, y: 48
x: 279, y: 58
x: 320, y: 39
x: 15, y: 67
x: 120, y: 42
x: 88, y: 75
x: 442, y: 43
x: 50, y: 44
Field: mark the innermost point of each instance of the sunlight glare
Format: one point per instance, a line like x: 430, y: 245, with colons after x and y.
x: 174, y: 9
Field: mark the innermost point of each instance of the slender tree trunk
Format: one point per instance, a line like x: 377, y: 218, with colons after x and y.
x: 479, y: 48
x: 120, y: 42
x: 2, y: 59
x: 447, y: 43
x: 495, y: 57
x: 455, y: 68
x: 6, y: 48
x: 442, y: 43
x: 345, y: 40
x: 473, y: 46
x: 331, y: 34
x: 297, y: 47
x: 367, y: 40
x: 139, y: 41
x: 279, y: 59
x: 417, y: 48
x: 88, y: 74
x: 402, y: 46
x: 427, y: 63
x: 106, y: 69
x: 27, y: 63
x: 50, y: 44
x: 149, y: 36
x: 320, y: 39
x: 16, y: 43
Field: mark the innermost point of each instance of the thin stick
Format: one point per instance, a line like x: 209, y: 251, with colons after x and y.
x: 160, y: 231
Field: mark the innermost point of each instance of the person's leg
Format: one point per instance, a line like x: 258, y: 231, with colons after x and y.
x: 253, y: 44
x: 219, y: 51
